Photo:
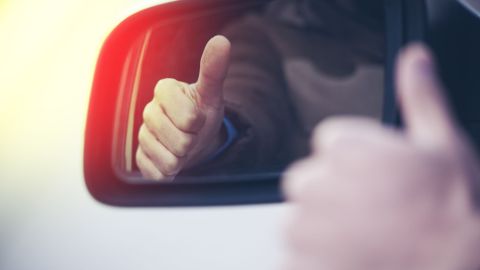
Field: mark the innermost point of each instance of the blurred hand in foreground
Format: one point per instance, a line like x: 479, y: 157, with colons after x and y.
x: 371, y: 197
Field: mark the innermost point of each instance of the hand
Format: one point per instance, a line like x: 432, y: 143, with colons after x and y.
x: 182, y: 123
x: 371, y: 197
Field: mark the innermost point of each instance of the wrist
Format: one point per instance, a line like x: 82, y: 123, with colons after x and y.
x: 215, y: 144
x: 210, y: 145
x: 215, y: 147
x: 228, y: 134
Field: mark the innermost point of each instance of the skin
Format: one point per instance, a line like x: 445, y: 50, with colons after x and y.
x: 371, y: 197
x: 181, y: 125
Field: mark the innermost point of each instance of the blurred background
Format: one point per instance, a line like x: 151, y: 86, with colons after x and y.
x: 48, y: 221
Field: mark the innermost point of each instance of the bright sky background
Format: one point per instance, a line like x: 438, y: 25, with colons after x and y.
x: 48, y: 51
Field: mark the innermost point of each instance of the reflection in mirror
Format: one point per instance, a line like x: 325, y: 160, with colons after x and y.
x: 250, y: 104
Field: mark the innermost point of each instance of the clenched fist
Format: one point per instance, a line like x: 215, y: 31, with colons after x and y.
x: 374, y: 198
x: 181, y: 125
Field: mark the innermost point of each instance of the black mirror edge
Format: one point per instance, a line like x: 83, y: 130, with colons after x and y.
x: 408, y: 18
x: 106, y: 187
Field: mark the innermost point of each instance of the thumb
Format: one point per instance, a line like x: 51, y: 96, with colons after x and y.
x: 424, y: 107
x: 213, y: 69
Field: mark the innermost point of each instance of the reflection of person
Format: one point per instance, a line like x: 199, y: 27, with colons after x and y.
x: 370, y: 197
x: 290, y: 67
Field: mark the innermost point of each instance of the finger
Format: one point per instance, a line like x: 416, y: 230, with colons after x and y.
x: 166, y: 162
x: 334, y: 131
x: 213, y: 69
x: 175, y: 140
x: 299, y: 176
x: 176, y: 100
x: 424, y: 108
x: 146, y: 166
x: 323, y: 184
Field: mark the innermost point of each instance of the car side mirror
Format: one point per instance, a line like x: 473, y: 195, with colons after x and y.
x: 166, y: 41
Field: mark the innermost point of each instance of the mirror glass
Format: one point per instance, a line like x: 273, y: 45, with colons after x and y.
x: 292, y: 64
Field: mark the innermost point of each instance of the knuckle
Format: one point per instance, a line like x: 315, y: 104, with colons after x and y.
x: 145, y: 169
x: 167, y: 83
x: 191, y: 119
x: 147, y: 114
x: 171, y: 166
x: 184, y: 144
x: 142, y: 136
x: 141, y: 162
x: 329, y: 125
x: 151, y: 120
x: 297, y: 181
x: 336, y: 124
x: 164, y: 86
x: 139, y: 157
x: 333, y: 134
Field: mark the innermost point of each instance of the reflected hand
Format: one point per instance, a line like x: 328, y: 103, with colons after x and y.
x: 181, y: 125
x: 370, y: 197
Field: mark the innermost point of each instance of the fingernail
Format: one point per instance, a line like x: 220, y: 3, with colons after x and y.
x: 424, y: 67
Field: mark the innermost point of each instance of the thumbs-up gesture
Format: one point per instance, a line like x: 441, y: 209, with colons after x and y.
x: 371, y: 197
x: 182, y: 123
